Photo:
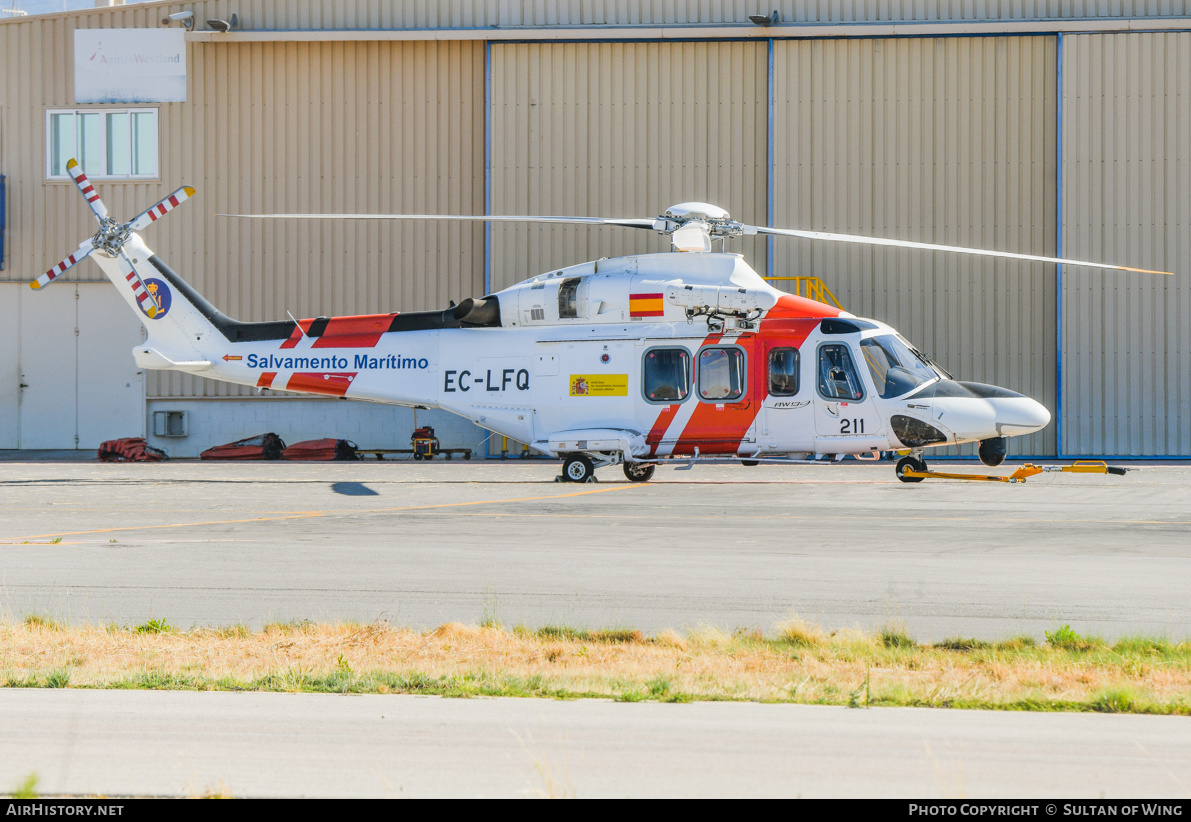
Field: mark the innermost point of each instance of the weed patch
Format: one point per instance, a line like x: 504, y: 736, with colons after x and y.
x: 155, y: 626
x: 796, y: 662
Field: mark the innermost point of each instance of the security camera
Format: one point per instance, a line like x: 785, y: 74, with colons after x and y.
x: 186, y: 18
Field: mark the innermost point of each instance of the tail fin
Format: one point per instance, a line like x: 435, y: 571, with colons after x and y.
x: 183, y: 327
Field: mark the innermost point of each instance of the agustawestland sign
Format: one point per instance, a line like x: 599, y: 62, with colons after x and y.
x: 129, y: 66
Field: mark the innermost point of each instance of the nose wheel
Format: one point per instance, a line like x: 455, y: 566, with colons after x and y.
x: 913, y: 464
x: 636, y: 472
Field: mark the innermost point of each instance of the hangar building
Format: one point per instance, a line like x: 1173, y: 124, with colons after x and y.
x: 1052, y: 127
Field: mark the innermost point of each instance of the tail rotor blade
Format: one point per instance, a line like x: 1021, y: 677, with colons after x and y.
x: 89, y: 192
x: 74, y: 259
x: 144, y: 299
x: 158, y: 210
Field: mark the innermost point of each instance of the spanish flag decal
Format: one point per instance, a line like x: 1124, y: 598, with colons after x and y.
x: 645, y: 305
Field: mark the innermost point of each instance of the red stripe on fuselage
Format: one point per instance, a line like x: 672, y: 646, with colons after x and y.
x: 720, y: 428
x: 299, y: 331
x: 354, y: 332
x: 664, y: 418
x: 266, y: 379
x: 334, y: 385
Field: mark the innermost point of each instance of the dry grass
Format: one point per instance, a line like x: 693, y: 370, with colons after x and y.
x: 799, y: 662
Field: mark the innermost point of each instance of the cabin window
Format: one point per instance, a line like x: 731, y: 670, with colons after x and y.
x: 721, y: 374
x: 108, y: 143
x: 783, y: 372
x: 667, y: 375
x: 837, y: 374
x: 568, y: 299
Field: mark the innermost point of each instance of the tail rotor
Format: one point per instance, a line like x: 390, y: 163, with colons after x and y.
x: 112, y: 236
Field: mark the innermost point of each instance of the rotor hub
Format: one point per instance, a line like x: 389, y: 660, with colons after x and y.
x: 692, y: 226
x: 111, y: 236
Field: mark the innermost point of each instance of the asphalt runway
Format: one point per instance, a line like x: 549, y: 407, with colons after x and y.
x: 264, y: 744
x: 210, y: 544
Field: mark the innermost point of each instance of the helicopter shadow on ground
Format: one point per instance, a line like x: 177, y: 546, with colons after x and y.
x: 353, y: 489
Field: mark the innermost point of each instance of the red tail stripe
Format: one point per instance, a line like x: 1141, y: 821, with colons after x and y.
x: 299, y: 331
x: 334, y: 385
x: 354, y: 332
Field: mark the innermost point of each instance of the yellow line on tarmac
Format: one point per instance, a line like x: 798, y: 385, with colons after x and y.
x: 312, y: 514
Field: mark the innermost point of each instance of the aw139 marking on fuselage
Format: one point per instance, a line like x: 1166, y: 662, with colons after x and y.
x: 632, y: 361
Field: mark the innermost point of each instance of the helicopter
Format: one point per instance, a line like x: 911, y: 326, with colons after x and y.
x: 635, y: 361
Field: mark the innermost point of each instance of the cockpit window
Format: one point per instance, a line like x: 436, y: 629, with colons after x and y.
x: 895, y: 368
x: 838, y: 379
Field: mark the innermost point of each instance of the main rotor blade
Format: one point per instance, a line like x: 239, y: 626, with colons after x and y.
x: 84, y: 249
x: 855, y: 238
x: 626, y: 222
x: 144, y: 299
x: 158, y: 210
x: 89, y: 192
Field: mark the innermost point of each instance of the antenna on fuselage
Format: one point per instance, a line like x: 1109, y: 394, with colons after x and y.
x: 300, y: 328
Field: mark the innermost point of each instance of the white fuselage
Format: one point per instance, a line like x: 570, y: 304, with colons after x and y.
x: 637, y: 357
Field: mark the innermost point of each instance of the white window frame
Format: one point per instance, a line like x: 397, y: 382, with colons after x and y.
x: 101, y: 173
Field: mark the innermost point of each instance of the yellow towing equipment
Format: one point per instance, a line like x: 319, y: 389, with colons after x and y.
x: 1021, y: 474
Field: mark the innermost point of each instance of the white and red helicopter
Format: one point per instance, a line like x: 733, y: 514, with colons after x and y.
x: 633, y: 360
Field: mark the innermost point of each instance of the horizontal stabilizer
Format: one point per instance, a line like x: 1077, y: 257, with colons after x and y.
x: 152, y: 358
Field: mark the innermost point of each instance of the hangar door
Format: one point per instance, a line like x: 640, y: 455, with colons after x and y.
x: 942, y: 140
x: 1127, y: 197
x: 622, y: 129
x: 69, y: 380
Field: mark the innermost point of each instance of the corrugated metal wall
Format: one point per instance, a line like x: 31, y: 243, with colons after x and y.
x: 645, y: 12
x: 1127, y: 199
x: 943, y: 140
x: 430, y: 14
x: 327, y: 127
x: 622, y: 129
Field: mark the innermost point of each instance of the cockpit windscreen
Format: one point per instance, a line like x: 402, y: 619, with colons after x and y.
x: 896, y: 369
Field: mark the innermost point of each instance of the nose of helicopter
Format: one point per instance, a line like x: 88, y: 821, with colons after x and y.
x: 975, y: 411
x: 1019, y: 415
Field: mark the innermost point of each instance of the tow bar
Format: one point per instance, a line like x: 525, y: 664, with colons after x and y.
x: 1021, y: 474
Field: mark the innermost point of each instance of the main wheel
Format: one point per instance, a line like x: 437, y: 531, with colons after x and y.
x: 750, y: 463
x: 638, y: 472
x: 914, y: 465
x: 577, y: 468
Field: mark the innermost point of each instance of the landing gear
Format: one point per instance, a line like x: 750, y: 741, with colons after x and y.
x: 638, y: 472
x: 992, y: 451
x: 912, y: 463
x: 750, y: 463
x: 577, y: 468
